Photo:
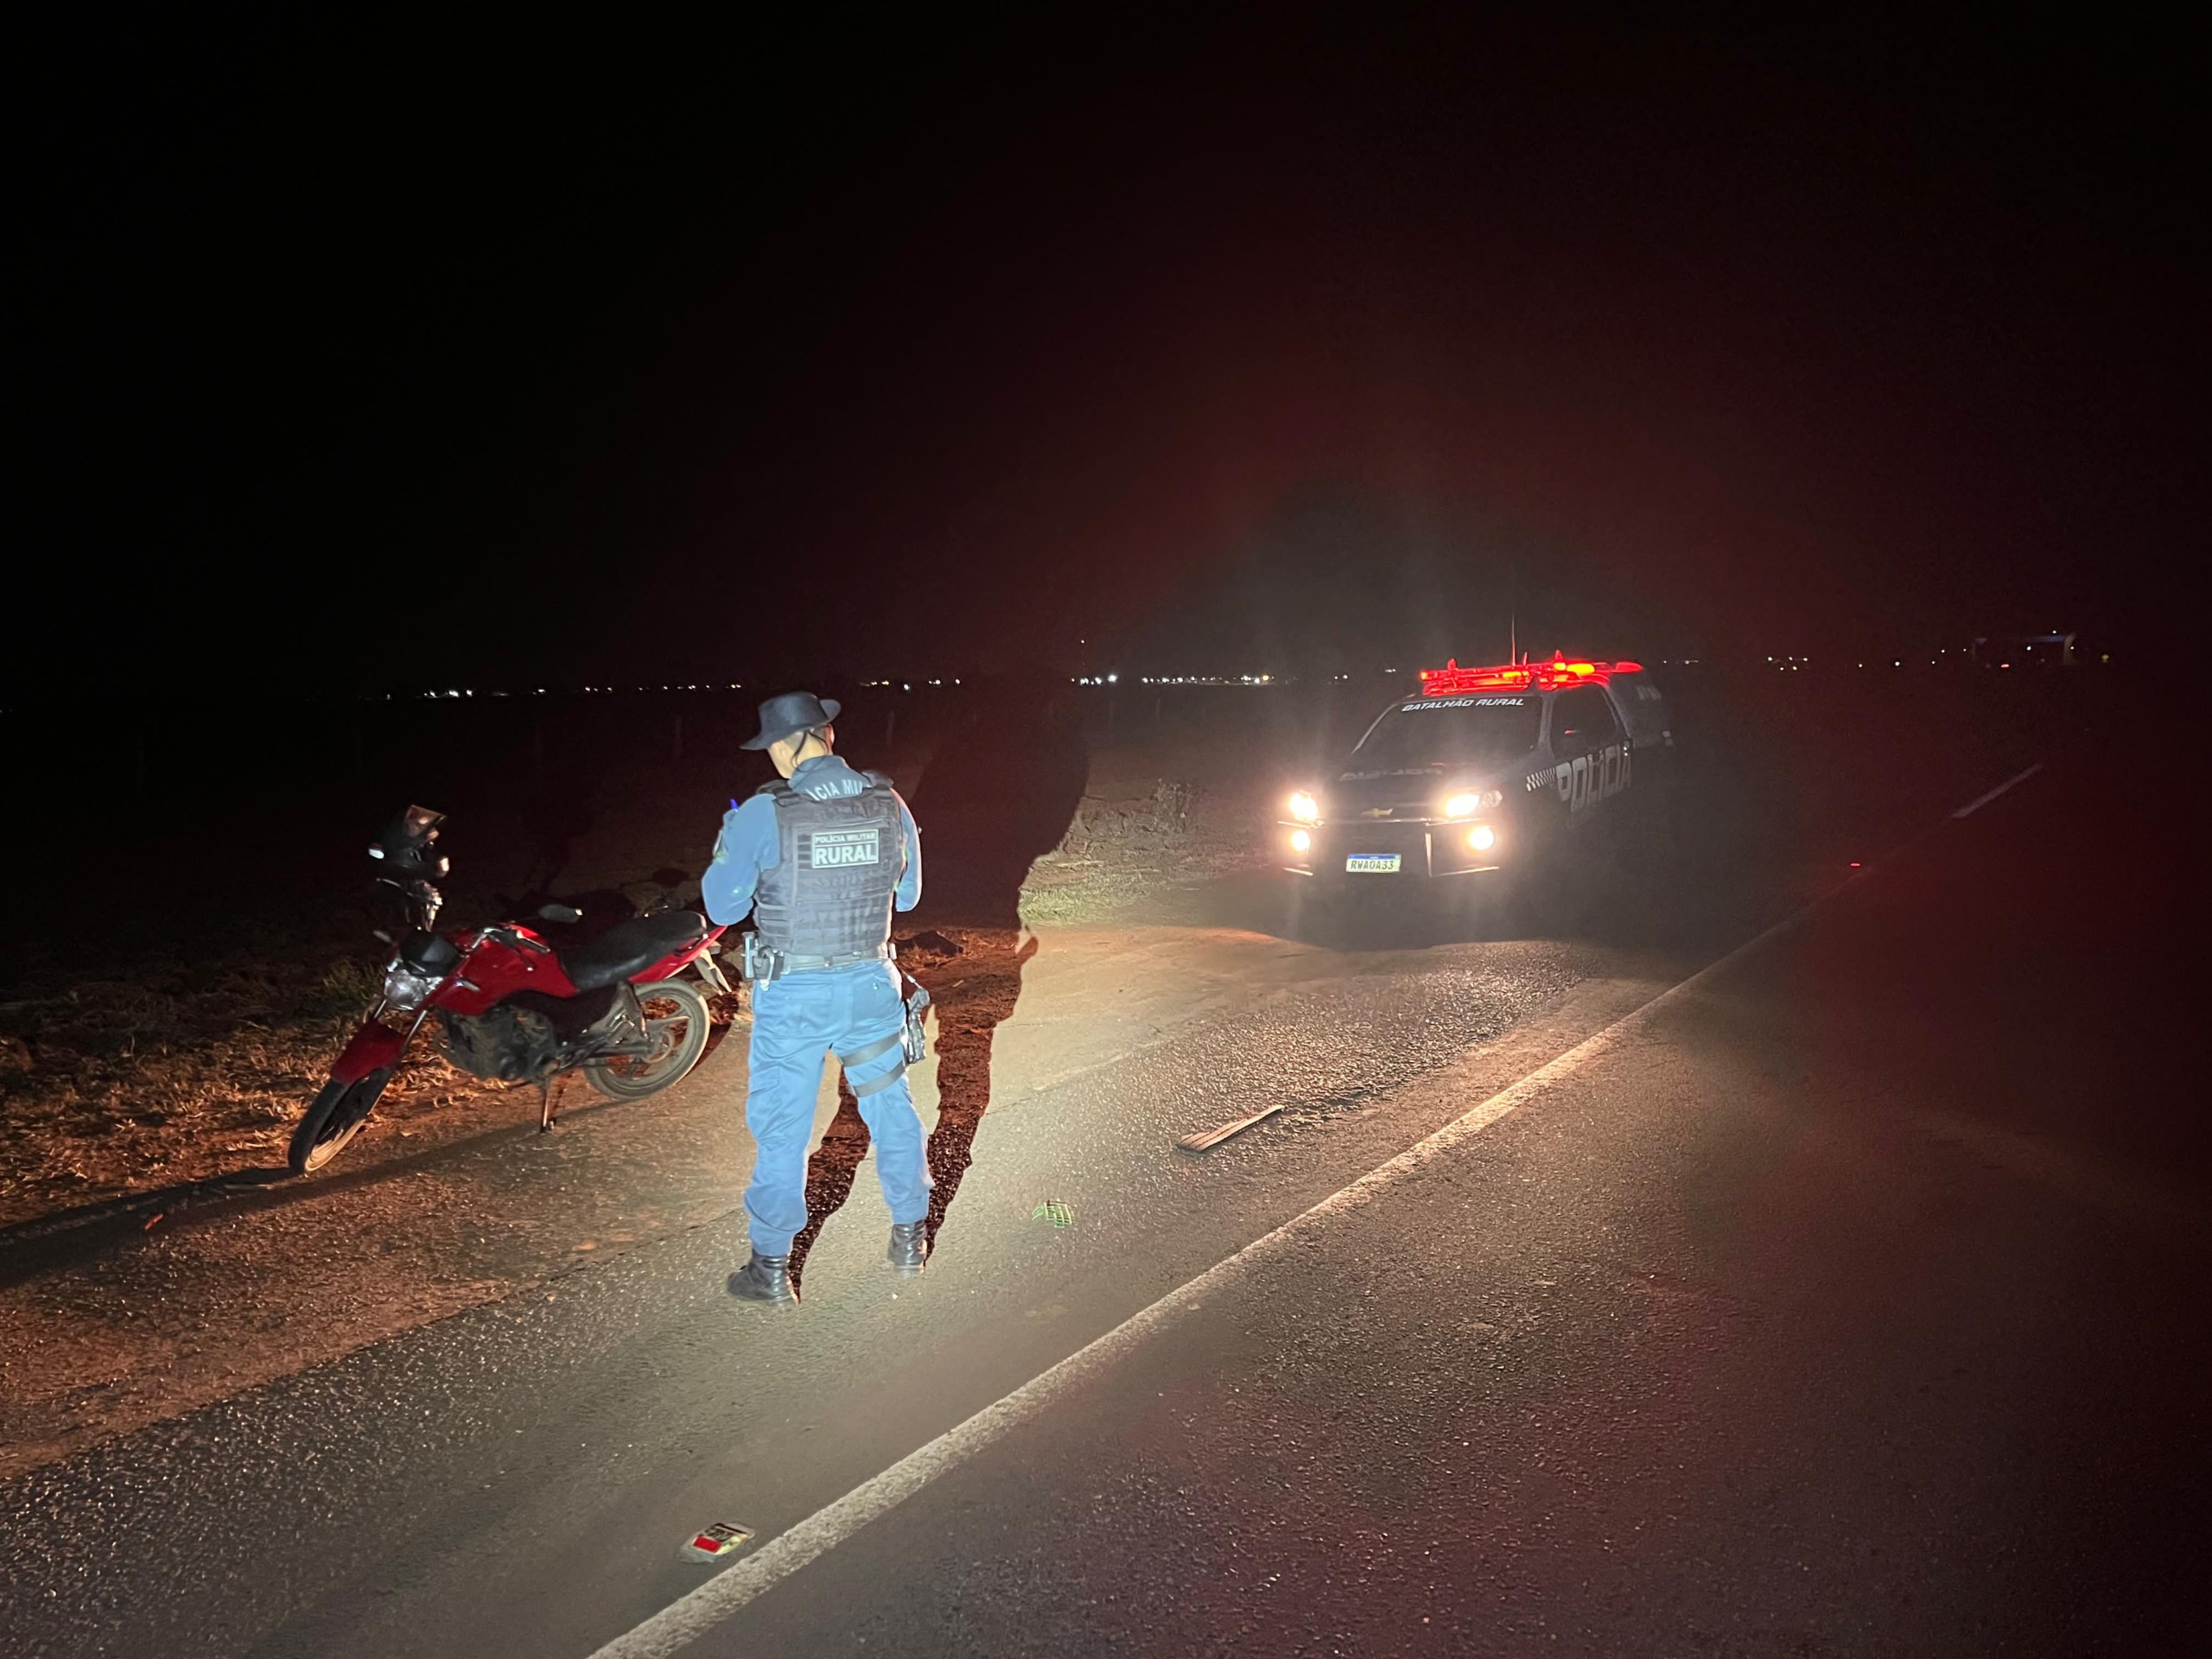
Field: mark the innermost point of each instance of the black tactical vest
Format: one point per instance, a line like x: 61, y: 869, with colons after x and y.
x: 837, y: 866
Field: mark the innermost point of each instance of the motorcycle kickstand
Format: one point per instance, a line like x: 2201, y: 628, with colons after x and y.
x: 545, y: 1105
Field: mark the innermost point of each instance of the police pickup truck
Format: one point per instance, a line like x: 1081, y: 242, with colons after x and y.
x: 1486, y: 771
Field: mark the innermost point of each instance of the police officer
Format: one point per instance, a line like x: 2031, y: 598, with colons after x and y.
x: 821, y: 857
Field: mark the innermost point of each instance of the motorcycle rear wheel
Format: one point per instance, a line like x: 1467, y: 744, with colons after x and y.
x: 333, y: 1118
x: 679, y: 1035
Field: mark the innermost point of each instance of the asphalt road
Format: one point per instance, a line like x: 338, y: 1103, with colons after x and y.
x: 1854, y: 1304
x: 1848, y: 1300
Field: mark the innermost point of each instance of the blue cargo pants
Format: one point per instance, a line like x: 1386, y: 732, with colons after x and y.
x: 795, y: 1020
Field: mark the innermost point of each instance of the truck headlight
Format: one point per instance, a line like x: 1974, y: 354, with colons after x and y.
x: 1303, y: 807
x: 1466, y: 805
x: 1300, y: 842
x: 1482, y: 838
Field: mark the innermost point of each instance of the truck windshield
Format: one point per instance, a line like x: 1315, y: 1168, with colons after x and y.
x: 1450, y: 732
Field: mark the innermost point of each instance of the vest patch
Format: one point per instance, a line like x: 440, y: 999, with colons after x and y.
x: 837, y: 849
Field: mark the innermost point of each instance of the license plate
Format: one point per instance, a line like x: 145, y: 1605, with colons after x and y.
x: 1372, y: 863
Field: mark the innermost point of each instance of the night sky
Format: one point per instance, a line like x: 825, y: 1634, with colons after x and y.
x: 364, y: 356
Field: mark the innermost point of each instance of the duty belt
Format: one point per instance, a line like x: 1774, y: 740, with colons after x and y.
x: 763, y: 964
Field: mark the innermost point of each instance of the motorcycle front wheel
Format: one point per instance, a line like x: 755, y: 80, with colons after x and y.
x: 333, y: 1118
x: 676, y: 1026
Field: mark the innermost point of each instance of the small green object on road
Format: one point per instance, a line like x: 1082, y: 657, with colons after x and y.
x: 1060, y: 1215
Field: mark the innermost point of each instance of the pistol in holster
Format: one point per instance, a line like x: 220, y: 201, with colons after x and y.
x: 915, y: 1039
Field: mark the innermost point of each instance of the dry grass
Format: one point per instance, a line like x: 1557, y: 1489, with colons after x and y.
x: 1126, y: 847
x: 121, y: 1086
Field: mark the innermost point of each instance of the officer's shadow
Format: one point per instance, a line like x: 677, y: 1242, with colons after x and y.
x: 973, y: 992
x: 1008, y: 780
x: 968, y: 1020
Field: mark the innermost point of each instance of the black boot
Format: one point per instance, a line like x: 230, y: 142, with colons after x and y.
x: 910, y: 1246
x: 764, y: 1279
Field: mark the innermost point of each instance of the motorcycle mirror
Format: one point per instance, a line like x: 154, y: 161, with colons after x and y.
x: 559, y: 913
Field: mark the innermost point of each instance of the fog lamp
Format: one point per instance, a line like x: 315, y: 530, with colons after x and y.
x: 1482, y: 838
x: 1300, y: 841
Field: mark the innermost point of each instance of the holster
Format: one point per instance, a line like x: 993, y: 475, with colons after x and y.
x: 908, y: 1040
x: 916, y: 1038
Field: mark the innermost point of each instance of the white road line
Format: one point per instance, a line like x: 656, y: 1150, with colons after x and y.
x: 682, y: 1622
x: 1980, y: 801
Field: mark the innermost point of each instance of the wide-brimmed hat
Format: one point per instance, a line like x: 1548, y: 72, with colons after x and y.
x: 792, y: 713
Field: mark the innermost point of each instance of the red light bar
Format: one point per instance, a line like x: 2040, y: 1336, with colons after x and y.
x: 1452, y: 681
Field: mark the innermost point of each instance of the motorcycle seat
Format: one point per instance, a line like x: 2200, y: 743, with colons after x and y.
x: 630, y: 947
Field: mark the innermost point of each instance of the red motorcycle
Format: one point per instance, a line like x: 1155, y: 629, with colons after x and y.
x: 511, y: 1008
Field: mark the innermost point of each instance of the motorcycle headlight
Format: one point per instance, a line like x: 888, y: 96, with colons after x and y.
x: 1305, y: 807
x: 405, y: 990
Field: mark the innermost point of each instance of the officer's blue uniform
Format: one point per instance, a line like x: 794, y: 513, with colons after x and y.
x: 805, y: 1013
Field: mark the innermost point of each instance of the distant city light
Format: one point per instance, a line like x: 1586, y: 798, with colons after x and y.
x: 1186, y: 679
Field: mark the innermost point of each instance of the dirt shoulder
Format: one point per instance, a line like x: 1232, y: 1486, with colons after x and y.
x: 135, y: 1086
